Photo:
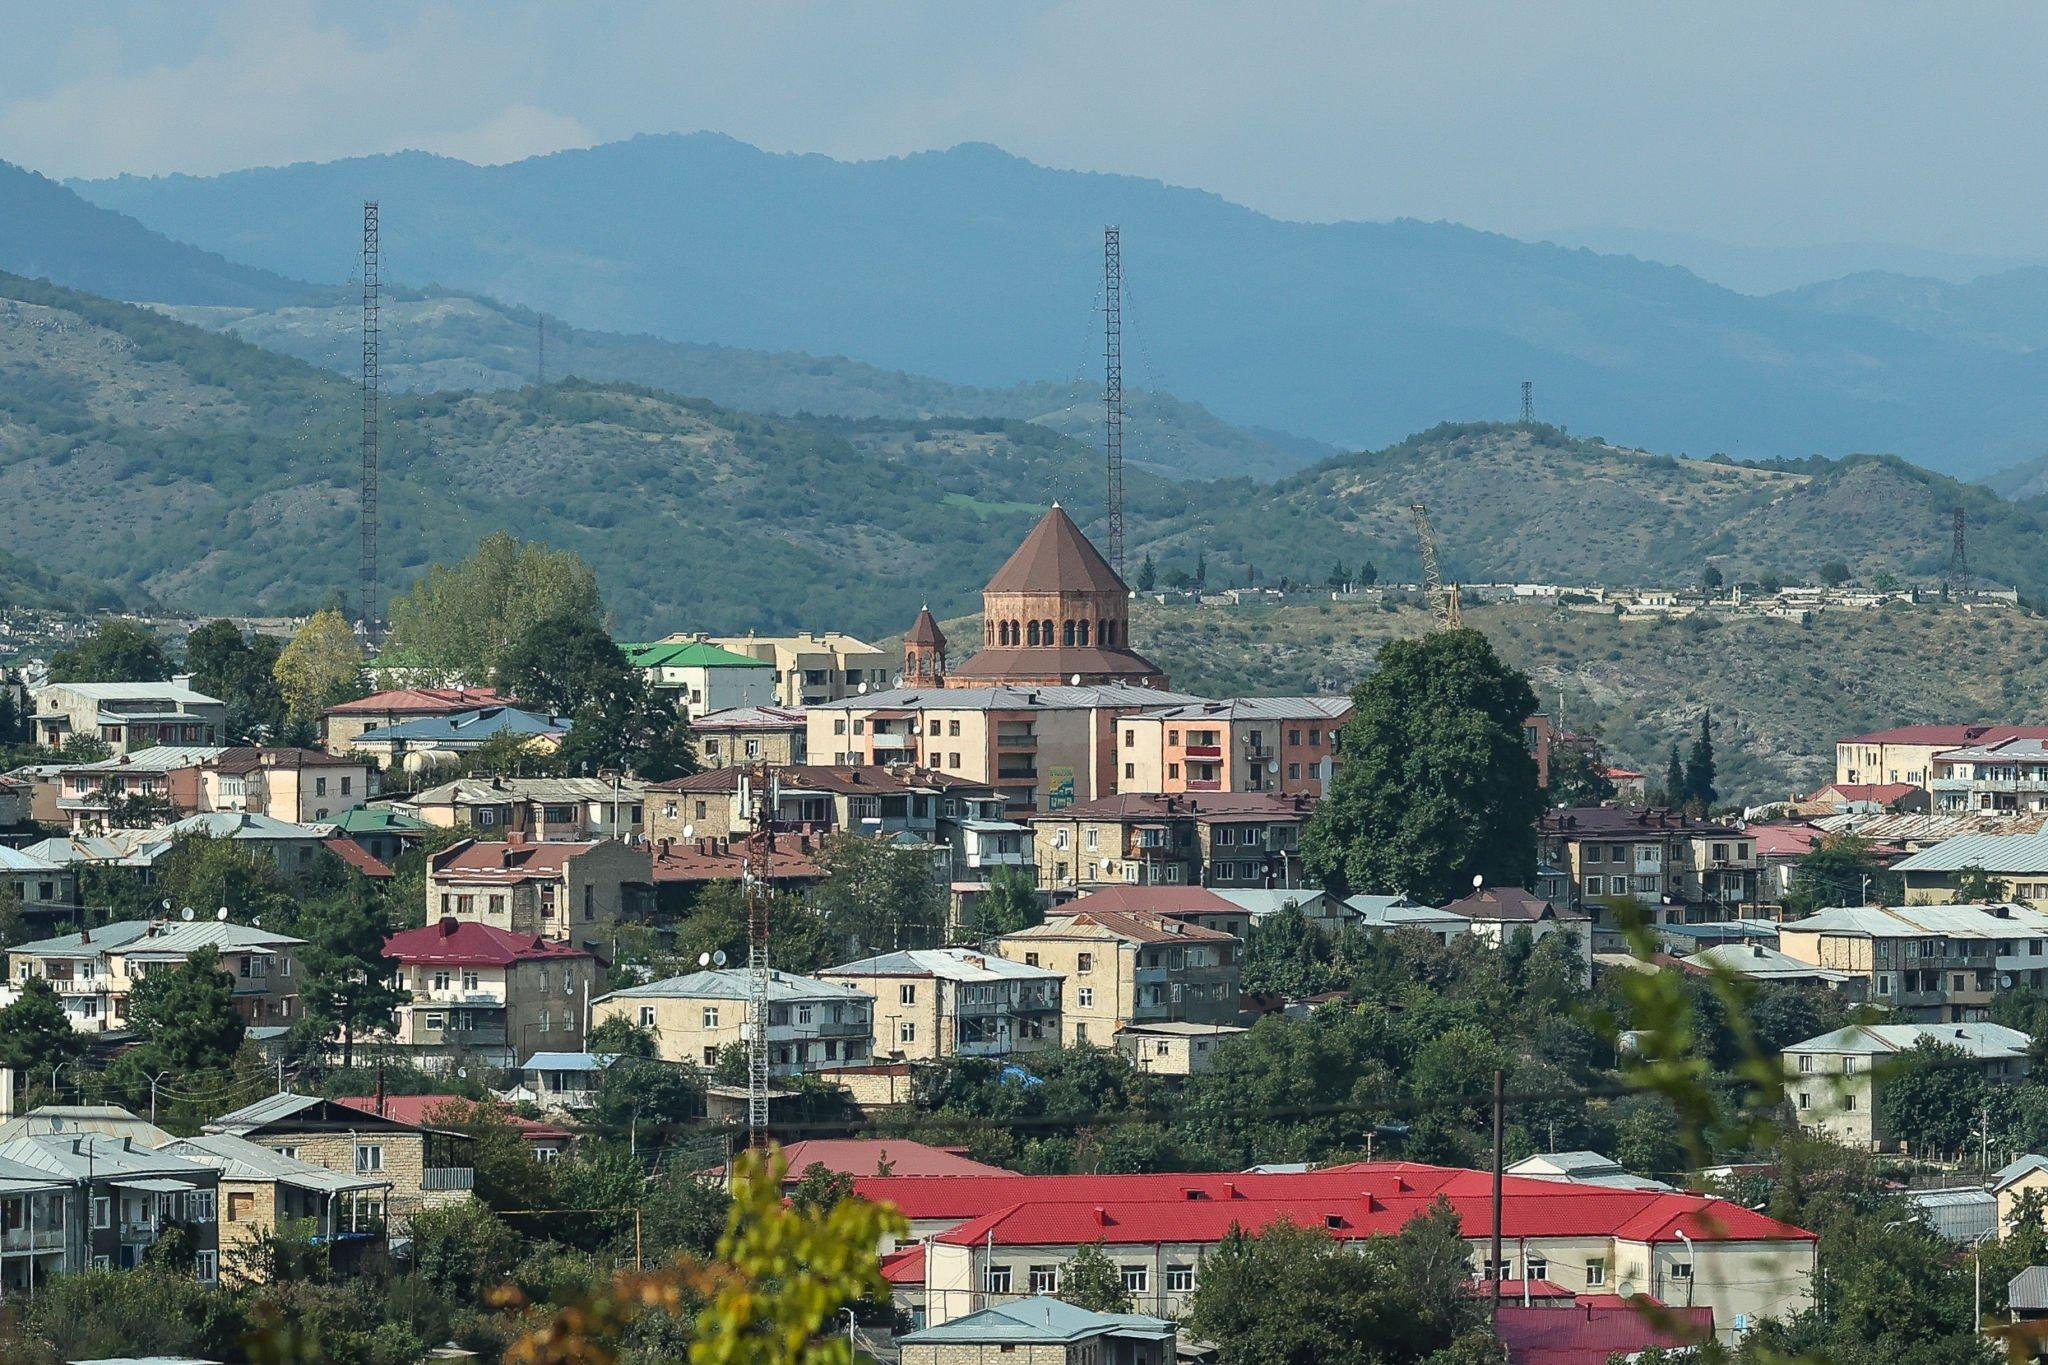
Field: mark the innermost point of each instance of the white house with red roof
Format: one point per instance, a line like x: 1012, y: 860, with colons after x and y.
x: 992, y: 1239
x: 481, y: 990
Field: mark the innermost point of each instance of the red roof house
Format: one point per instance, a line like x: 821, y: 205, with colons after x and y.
x: 467, y: 944
x: 1586, y: 1334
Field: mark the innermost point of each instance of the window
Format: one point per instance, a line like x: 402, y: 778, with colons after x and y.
x: 241, y: 1207
x: 647, y: 1016
x: 470, y: 981
x: 906, y: 1032
x: 1805, y: 1100
x: 803, y: 1014
x: 1596, y: 1272
x: 1681, y: 1270
x: 436, y: 1023
x: 347, y: 785
x: 711, y: 1056
x: 1031, y: 959
x: 102, y: 1212
x: 1596, y: 886
x: 1091, y: 839
x: 1084, y: 962
x: 1848, y: 1066
x: 1848, y: 1104
x: 1180, y: 1279
x: 998, y: 1278
x: 906, y: 994
x: 1045, y: 1279
x: 289, y: 1153
x: 369, y: 1158
x: 319, y: 786
x: 1537, y: 1268
x: 1806, y: 1061
x: 1137, y: 1279
x: 1085, y: 997
x: 206, y: 1266
x: 1130, y: 772
x: 711, y: 1016
x: 199, y: 1206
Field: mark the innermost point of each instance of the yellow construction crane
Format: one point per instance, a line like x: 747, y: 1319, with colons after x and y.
x: 1443, y: 602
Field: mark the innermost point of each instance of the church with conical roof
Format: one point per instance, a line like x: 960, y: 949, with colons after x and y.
x: 1056, y: 613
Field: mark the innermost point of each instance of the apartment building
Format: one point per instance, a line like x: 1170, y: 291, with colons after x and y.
x: 994, y: 1239
x: 1171, y: 1049
x: 1673, y: 865
x: 1246, y: 840
x: 1994, y: 775
x: 48, y: 891
x: 300, y: 786
x: 774, y: 735
x: 1256, y: 744
x: 1498, y: 914
x: 1131, y: 968
x: 812, y: 667
x: 341, y: 724
x: 128, y: 716
x: 1907, y: 753
x: 788, y: 863
x: 935, y: 1003
x: 1192, y: 905
x: 1042, y: 747
x: 808, y: 799
x: 1934, y: 876
x: 701, y: 677
x: 94, y: 970
x: 437, y: 741
x: 813, y: 1025
x: 476, y: 989
x: 425, y: 1167
x: 91, y: 1201
x: 1927, y: 964
x: 262, y: 1191
x: 547, y: 809
x: 567, y: 892
x: 93, y: 797
x: 1831, y: 1081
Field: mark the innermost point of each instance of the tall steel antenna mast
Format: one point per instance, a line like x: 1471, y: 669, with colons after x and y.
x: 372, y: 285
x: 759, y: 799
x: 1113, y: 389
x: 1528, y: 401
x: 1958, y: 556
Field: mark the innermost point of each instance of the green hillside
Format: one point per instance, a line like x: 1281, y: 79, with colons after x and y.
x: 1515, y: 503
x: 438, y: 341
x: 1780, y: 693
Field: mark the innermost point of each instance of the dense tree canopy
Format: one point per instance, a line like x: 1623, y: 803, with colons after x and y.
x: 460, y: 619
x: 1437, y: 783
x: 119, y: 651
x: 322, y: 666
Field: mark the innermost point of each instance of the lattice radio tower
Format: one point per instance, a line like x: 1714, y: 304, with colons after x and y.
x: 1958, y: 557
x: 759, y: 796
x: 1113, y: 389
x: 372, y: 284
x: 1528, y: 401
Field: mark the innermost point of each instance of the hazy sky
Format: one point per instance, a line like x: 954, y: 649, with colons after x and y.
x: 1768, y: 124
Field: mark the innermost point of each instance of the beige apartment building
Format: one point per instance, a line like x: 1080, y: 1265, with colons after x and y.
x: 740, y: 735
x: 568, y: 892
x: 94, y: 971
x: 812, y: 667
x: 129, y: 716
x: 340, y: 725
x: 1906, y: 753
x: 1042, y: 747
x: 1245, y: 840
x: 1131, y: 968
x: 935, y: 1003
x: 490, y: 992
x: 548, y: 809
x: 1170, y: 1049
x: 298, y: 786
x: 1831, y: 1081
x: 813, y: 1025
x: 1927, y: 964
x: 1286, y: 745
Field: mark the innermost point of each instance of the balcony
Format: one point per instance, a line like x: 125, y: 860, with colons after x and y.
x: 1017, y: 743
x: 448, y: 1178
x: 449, y: 995
x: 889, y: 744
x: 1208, y: 751
x: 1205, y: 784
x: 43, y: 1239
x: 996, y: 858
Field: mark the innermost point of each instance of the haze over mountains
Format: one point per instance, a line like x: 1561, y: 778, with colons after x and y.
x: 979, y: 268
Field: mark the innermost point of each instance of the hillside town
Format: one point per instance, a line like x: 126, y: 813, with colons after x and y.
x: 886, y: 907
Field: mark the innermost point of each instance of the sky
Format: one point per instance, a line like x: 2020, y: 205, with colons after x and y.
x: 1888, y: 133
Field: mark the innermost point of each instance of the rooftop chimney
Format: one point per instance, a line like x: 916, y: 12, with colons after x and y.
x: 446, y: 926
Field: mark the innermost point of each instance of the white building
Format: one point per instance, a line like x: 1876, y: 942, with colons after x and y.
x: 957, y: 1002
x: 813, y: 1025
x: 1831, y: 1084
x: 703, y: 677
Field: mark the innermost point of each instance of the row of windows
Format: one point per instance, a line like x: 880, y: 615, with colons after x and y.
x: 1038, y: 633
x: 1045, y: 1279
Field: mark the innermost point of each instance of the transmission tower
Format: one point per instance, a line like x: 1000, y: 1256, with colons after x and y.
x: 1528, y: 401
x: 1113, y: 389
x: 759, y: 797
x: 1958, y: 557
x: 372, y: 284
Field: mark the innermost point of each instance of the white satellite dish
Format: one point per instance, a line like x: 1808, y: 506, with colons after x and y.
x: 689, y: 831
x: 719, y: 959
x: 256, y: 923
x: 898, y: 680
x: 1076, y: 680
x: 167, y: 904
x: 862, y: 689
x: 185, y: 914
x: 1478, y: 880
x: 1627, y: 1289
x: 2005, y: 981
x: 1272, y: 765
x: 703, y: 959
x: 221, y: 914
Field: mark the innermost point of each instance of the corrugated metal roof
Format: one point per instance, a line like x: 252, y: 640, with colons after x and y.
x: 950, y: 964
x: 734, y: 983
x: 1977, y: 1039
x: 1992, y: 852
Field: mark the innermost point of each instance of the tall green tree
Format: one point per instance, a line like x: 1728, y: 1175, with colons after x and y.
x: 1932, y: 1096
x: 1011, y: 903
x: 1674, y: 779
x: 35, y: 1035
x: 186, y: 1016
x: 460, y: 619
x: 618, y: 719
x: 880, y: 896
x: 1092, y: 1281
x: 241, y: 672
x: 1975, y: 886
x: 322, y: 666
x: 348, y: 982
x: 1699, y: 767
x: 1578, y: 774
x: 1841, y: 870
x: 119, y: 651
x: 1437, y: 783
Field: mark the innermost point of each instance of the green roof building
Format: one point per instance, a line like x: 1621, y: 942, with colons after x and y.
x: 704, y: 677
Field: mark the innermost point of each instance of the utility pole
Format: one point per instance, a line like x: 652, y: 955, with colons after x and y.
x: 1500, y: 1080
x: 372, y: 287
x: 1113, y: 388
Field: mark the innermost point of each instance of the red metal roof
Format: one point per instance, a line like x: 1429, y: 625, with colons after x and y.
x: 1056, y: 557
x: 720, y: 860
x: 1592, y: 1335
x: 1883, y: 793
x: 413, y: 1109
x: 1358, y: 1200
x: 467, y: 943
x: 1150, y: 900
x: 356, y: 856
x: 426, y: 701
x: 906, y: 1266
x: 1948, y: 734
x: 513, y: 860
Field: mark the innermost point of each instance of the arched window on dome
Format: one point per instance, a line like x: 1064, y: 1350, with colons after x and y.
x: 1105, y: 634
x: 1081, y: 634
x: 1032, y: 636
x: 1046, y: 632
x: 1067, y: 633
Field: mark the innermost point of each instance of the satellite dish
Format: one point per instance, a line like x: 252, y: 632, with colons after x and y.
x: 463, y: 1072
x: 862, y: 689
x: 689, y: 831
x: 167, y: 904
x: 703, y: 959
x: 256, y: 923
x: 1627, y: 1289
x: 221, y: 914
x: 185, y: 914
x: 1076, y: 680
x: 1478, y: 880
x: 1272, y: 765
x: 897, y: 680
x: 719, y: 959
x: 2005, y: 981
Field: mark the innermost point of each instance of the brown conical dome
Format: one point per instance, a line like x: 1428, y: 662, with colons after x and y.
x: 1056, y: 557
x: 925, y: 630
